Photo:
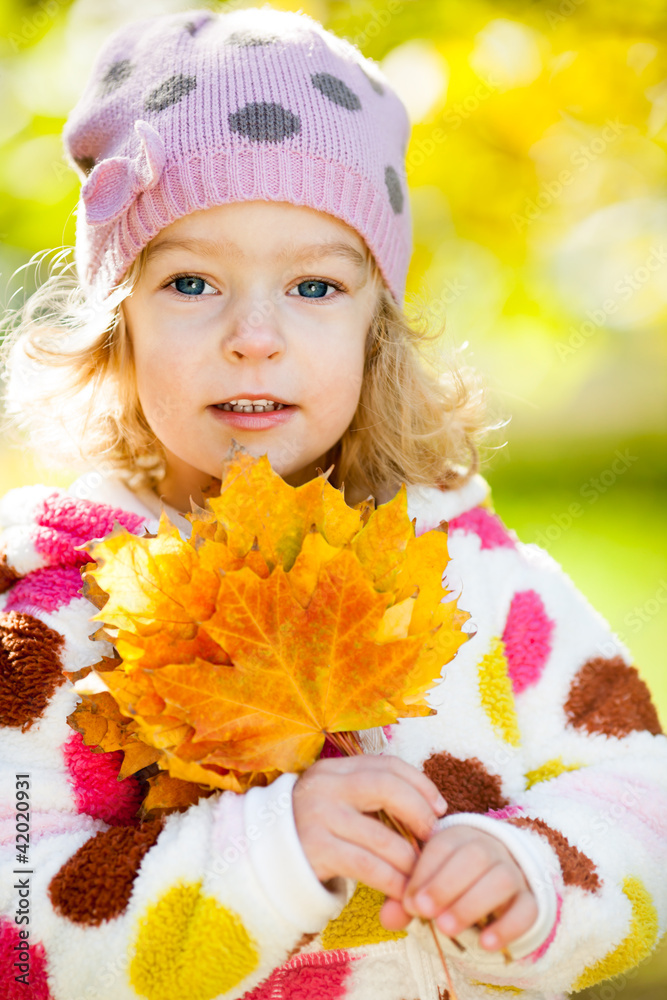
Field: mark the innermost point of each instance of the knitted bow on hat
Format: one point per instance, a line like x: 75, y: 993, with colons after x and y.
x: 115, y: 182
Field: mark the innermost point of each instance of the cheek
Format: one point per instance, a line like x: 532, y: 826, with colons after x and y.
x: 162, y: 385
x: 337, y: 409
x: 334, y: 400
x: 336, y: 375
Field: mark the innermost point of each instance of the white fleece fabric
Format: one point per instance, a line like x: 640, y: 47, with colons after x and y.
x: 544, y: 736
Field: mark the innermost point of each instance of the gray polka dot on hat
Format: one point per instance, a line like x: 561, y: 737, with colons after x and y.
x: 264, y: 122
x: 249, y: 38
x: 117, y: 73
x: 170, y: 92
x: 336, y: 90
x: 197, y: 23
x: 394, y: 189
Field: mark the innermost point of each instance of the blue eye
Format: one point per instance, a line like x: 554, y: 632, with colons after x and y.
x: 190, y: 285
x: 314, y: 289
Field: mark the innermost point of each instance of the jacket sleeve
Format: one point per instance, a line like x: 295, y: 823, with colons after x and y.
x: 546, y: 730
x: 94, y: 903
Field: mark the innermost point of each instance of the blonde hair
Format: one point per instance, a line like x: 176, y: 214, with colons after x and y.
x: 71, y: 392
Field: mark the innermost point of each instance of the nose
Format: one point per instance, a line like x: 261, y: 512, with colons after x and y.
x: 254, y: 333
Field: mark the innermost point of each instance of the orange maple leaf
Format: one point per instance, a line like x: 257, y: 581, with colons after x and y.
x: 286, y: 616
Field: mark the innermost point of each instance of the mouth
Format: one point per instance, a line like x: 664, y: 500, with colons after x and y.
x: 247, y: 414
x: 248, y: 405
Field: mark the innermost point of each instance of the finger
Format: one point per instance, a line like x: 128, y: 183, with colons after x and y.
x: 419, y: 780
x: 464, y: 866
x: 434, y: 855
x: 497, y: 887
x: 392, y: 915
x: 393, y: 765
x: 370, y: 791
x: 351, y: 861
x: 462, y: 869
x: 516, y: 920
x: 369, y: 833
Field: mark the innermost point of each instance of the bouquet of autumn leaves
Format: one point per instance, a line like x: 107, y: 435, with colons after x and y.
x: 287, y: 618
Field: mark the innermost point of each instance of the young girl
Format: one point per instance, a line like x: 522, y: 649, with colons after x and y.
x: 243, y: 237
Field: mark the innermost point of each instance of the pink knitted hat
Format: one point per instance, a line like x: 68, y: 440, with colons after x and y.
x: 189, y: 110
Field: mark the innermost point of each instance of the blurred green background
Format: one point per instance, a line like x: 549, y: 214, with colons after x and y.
x: 538, y: 183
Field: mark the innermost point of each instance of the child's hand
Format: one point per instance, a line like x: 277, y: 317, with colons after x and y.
x: 331, y: 799
x: 462, y: 875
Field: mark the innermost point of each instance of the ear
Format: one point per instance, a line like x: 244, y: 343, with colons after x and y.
x: 114, y: 183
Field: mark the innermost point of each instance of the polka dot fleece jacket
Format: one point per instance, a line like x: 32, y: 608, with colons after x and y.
x: 544, y: 735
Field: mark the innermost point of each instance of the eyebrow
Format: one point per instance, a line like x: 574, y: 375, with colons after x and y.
x: 227, y: 248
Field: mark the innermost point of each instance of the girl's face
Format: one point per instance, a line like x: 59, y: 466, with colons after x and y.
x: 251, y: 300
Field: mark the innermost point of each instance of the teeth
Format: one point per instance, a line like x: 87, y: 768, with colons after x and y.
x: 251, y: 406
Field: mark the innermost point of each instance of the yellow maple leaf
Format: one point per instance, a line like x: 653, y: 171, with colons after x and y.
x: 256, y: 504
x: 155, y: 584
x: 286, y: 616
x: 381, y: 546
